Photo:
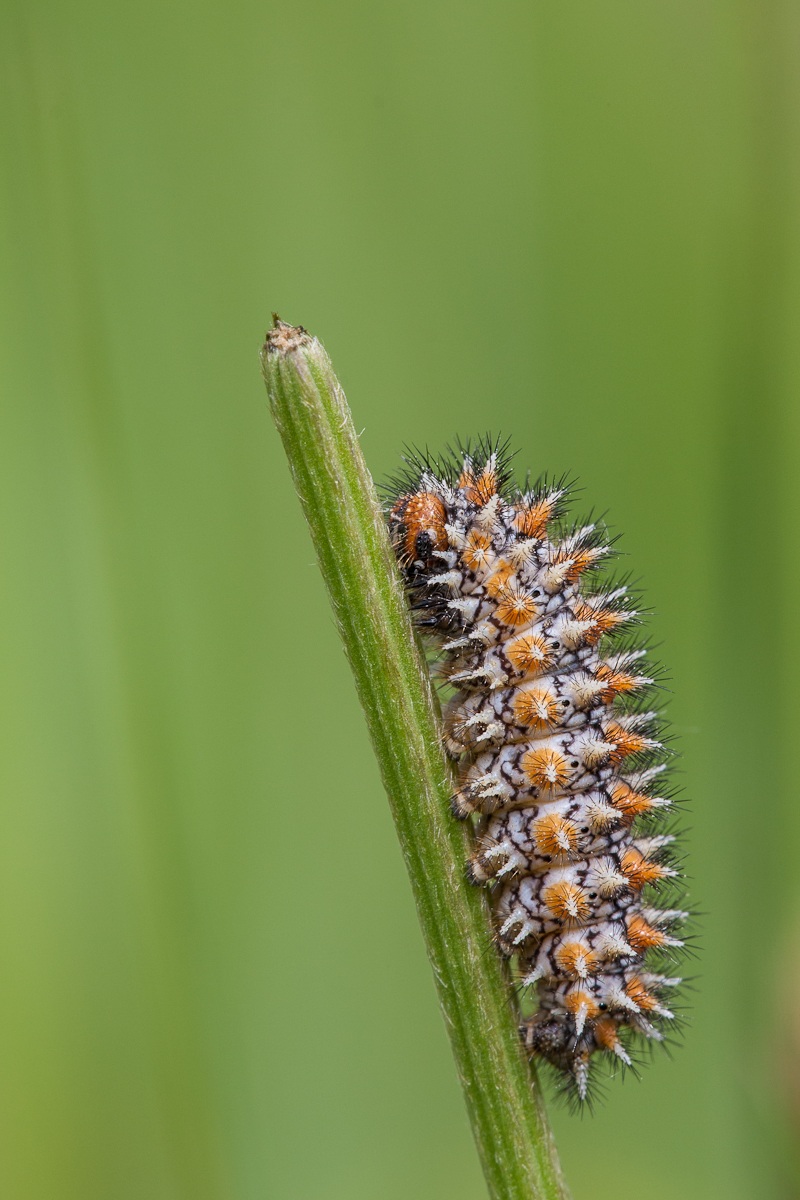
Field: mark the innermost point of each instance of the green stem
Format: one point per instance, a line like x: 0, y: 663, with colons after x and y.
x: 342, y: 509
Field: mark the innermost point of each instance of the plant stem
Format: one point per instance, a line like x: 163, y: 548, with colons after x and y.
x: 347, y: 525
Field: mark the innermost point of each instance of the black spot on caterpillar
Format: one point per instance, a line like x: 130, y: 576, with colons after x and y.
x: 559, y: 759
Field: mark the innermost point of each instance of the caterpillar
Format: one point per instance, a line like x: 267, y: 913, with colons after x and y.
x: 558, y: 759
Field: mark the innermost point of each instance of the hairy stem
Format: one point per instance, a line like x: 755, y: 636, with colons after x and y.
x: 343, y: 512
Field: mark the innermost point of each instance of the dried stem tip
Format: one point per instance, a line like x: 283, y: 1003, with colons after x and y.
x: 283, y: 338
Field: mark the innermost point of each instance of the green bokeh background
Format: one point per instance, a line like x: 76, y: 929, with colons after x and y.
x: 574, y: 223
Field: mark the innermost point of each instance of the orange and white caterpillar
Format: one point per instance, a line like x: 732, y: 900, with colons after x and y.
x: 558, y: 759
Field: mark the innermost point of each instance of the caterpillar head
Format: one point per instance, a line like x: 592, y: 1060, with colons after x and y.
x: 417, y: 526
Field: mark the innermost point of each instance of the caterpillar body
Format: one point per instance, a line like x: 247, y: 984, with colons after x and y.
x: 559, y: 761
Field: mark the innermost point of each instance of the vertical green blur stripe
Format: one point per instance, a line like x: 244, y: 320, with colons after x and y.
x: 757, y: 469
x: 105, y: 1089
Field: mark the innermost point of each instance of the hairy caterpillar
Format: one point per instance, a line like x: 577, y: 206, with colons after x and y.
x: 558, y: 758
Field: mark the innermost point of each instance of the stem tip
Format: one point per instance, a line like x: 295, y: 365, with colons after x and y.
x: 284, y: 338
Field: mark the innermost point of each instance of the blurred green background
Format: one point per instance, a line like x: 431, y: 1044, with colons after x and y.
x: 574, y: 223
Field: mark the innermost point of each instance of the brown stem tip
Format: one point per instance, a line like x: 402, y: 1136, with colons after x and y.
x: 283, y: 338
